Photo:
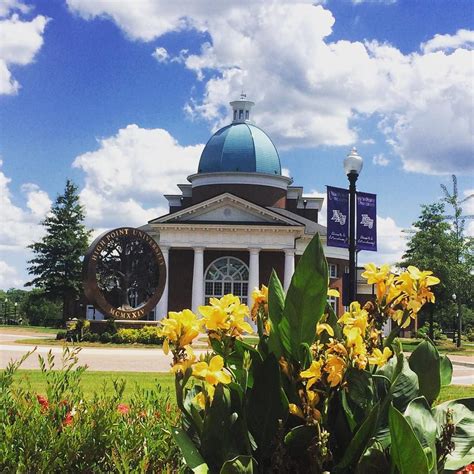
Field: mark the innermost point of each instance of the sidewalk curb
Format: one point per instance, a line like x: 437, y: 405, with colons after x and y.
x: 464, y: 364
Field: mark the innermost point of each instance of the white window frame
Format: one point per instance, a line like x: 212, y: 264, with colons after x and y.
x: 229, y: 277
x: 333, y: 301
x: 332, y: 266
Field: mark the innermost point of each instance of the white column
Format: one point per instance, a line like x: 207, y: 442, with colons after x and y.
x: 161, y: 309
x: 198, y: 279
x: 289, y: 267
x: 254, y: 273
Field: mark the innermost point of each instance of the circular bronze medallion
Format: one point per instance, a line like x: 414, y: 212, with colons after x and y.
x: 124, y: 273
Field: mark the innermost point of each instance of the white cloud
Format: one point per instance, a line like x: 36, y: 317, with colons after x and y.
x: 8, y: 6
x: 129, y: 173
x: 20, y: 41
x: 317, y: 90
x: 161, y: 55
x: 9, y: 277
x: 20, y: 227
x: 462, y: 39
x: 380, y: 160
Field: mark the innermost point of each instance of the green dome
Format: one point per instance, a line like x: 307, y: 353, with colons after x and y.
x: 240, y: 147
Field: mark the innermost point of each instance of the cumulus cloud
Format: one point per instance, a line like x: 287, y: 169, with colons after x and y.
x: 462, y: 39
x: 380, y: 160
x: 20, y: 227
x: 20, y: 41
x: 126, y: 177
x: 9, y: 277
x: 161, y: 55
x: 316, y: 90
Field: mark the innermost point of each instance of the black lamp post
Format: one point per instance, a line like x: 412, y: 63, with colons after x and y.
x: 5, y: 310
x: 352, y: 166
x: 458, y: 319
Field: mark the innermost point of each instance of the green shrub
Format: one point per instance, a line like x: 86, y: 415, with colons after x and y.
x: 424, y: 331
x: 116, y: 339
x: 111, y: 326
x: 61, y: 431
x: 127, y: 336
x: 86, y: 337
x: 105, y: 337
x: 149, y: 335
x: 470, y: 335
x: 61, y: 335
x: 93, y: 337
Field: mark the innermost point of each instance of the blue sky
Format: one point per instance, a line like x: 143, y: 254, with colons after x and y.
x: 121, y: 97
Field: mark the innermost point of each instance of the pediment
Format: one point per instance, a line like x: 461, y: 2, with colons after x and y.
x: 226, y: 208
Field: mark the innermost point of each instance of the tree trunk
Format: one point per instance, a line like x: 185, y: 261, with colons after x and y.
x: 431, y: 331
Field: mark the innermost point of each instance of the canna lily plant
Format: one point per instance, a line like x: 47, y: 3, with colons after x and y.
x: 316, y: 393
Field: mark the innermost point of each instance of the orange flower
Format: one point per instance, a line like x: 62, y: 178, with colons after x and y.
x: 43, y: 401
x: 68, y: 419
x: 123, y: 408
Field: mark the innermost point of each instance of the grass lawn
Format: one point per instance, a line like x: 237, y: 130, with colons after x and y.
x: 445, y: 347
x: 94, y: 381
x: 28, y: 329
x: 54, y: 342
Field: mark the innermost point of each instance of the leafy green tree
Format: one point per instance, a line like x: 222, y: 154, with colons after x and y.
x: 432, y: 247
x: 39, y: 310
x: 57, y: 264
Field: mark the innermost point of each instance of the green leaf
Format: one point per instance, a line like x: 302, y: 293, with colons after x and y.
x: 463, y: 419
x: 405, y: 450
x: 359, y: 442
x: 191, y: 454
x: 424, y: 361
x: 418, y: 414
x: 373, y: 461
x: 298, y: 439
x: 445, y: 370
x: 276, y: 303
x: 267, y: 404
x: 360, y: 391
x: 305, y: 300
x: 239, y: 465
x: 404, y: 386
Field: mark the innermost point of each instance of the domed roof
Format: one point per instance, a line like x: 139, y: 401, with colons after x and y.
x: 240, y: 147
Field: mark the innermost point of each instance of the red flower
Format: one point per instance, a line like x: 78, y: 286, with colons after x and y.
x: 467, y: 470
x: 43, y: 401
x: 123, y: 408
x: 68, y: 420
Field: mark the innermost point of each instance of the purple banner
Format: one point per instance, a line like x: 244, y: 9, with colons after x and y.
x: 338, y: 217
x: 366, y: 221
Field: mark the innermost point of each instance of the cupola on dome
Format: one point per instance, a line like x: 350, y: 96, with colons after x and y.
x: 240, y: 146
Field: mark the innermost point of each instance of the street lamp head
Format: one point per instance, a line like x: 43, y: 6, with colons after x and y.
x: 353, y: 163
x: 16, y: 304
x: 454, y: 296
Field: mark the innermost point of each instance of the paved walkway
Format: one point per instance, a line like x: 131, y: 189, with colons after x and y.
x: 149, y: 360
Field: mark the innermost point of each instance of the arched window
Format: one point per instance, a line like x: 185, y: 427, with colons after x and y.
x: 226, y: 275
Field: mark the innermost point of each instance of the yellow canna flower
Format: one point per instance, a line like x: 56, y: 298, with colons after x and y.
x: 206, y: 394
x: 375, y: 275
x: 260, y: 299
x: 333, y: 292
x: 321, y: 327
x: 295, y: 410
x: 214, y: 372
x: 180, y: 329
x: 313, y: 374
x: 239, y: 326
x: 335, y: 368
x: 186, y: 363
x: 214, y: 318
x: 380, y: 358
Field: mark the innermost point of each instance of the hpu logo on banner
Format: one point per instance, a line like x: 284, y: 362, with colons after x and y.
x: 366, y: 221
x: 338, y: 217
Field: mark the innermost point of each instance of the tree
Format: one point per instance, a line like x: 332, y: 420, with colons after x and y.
x: 432, y: 247
x: 57, y: 264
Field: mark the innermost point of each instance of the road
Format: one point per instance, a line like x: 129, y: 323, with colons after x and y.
x: 137, y: 360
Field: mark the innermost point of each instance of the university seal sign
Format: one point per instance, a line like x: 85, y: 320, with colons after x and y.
x: 124, y: 273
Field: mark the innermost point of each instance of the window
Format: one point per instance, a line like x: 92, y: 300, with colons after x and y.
x: 226, y: 275
x: 246, y: 115
x: 333, y: 270
x: 346, y: 269
x: 235, y: 114
x: 241, y: 114
x: 334, y: 303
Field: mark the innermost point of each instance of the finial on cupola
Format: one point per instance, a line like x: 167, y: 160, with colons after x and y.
x: 241, y: 109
